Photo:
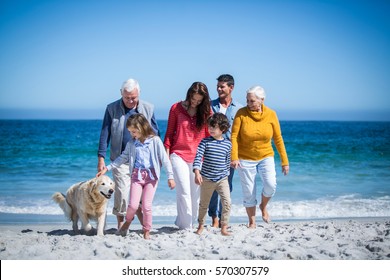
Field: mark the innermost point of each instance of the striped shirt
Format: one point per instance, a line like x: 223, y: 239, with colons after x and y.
x: 216, y: 158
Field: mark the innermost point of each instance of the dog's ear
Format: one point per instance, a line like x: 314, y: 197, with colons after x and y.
x: 93, y: 183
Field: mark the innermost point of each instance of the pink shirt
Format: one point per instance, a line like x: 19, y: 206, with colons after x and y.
x: 182, y: 136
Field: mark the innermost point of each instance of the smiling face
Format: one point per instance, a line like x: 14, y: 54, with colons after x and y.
x: 253, y: 102
x: 105, y: 186
x: 196, y: 99
x: 130, y: 99
x: 224, y: 91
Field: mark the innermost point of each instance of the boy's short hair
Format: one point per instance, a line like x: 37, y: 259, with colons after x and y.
x: 220, y: 120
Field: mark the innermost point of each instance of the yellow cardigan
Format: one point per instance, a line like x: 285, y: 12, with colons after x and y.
x: 252, y: 133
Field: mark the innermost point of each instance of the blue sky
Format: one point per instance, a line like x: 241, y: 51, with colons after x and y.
x: 316, y: 59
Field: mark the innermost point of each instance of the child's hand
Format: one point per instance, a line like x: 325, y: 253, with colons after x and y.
x: 198, y: 178
x: 100, y: 173
x: 171, y: 184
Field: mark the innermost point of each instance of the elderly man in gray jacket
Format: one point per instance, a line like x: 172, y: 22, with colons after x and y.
x: 115, y: 135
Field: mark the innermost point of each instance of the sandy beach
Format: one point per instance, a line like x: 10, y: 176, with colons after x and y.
x: 339, y: 239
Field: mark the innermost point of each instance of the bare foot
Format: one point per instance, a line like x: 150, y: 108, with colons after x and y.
x: 215, y: 222
x: 146, y: 234
x: 123, y: 229
x: 251, y: 212
x: 224, y: 230
x: 200, y: 229
x: 264, y: 214
x: 120, y: 220
x: 251, y: 225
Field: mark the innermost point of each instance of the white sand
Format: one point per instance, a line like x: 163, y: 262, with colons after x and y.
x: 344, y: 239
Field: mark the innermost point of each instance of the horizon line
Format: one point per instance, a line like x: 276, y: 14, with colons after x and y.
x: 161, y: 114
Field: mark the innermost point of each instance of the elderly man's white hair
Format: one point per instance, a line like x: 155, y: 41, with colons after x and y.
x: 130, y: 85
x: 258, y: 91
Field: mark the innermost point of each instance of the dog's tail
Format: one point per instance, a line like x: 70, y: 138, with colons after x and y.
x: 61, y: 200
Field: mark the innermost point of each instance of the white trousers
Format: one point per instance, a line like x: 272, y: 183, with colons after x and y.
x: 187, y: 193
x: 248, y: 171
x: 121, y: 178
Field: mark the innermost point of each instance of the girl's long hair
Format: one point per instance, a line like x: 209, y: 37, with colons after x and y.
x: 139, y: 122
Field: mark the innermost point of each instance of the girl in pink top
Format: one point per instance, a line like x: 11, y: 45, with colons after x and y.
x: 187, y: 126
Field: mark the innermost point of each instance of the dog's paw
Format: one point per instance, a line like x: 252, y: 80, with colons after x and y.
x: 88, y: 227
x: 76, y: 230
x: 91, y: 232
x: 99, y: 232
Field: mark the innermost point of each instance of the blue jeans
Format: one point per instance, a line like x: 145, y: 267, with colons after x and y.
x: 215, y: 205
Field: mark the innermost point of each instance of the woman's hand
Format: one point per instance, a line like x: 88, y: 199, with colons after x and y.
x: 235, y: 164
x: 285, y: 169
x: 171, y: 184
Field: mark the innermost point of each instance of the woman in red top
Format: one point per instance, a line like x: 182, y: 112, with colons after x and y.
x: 187, y: 126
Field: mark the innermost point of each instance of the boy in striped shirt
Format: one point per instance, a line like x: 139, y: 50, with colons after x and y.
x: 212, y: 167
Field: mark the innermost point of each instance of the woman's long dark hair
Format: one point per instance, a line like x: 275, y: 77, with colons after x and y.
x: 203, y: 110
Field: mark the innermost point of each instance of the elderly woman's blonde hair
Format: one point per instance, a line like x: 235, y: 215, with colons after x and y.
x: 258, y: 91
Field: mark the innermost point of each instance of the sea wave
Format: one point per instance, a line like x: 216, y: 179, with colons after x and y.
x: 337, y: 207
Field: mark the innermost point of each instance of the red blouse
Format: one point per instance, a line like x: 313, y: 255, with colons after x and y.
x: 182, y: 136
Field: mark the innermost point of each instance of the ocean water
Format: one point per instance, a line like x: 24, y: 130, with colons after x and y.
x: 337, y: 169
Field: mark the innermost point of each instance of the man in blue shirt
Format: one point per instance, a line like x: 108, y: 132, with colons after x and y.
x: 223, y: 104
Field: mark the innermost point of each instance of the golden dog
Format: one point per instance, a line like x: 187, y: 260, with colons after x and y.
x: 87, y: 201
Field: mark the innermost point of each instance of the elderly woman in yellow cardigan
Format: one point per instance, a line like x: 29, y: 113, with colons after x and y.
x: 254, y: 127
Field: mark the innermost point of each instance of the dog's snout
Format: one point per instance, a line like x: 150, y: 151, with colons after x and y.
x: 110, y: 191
